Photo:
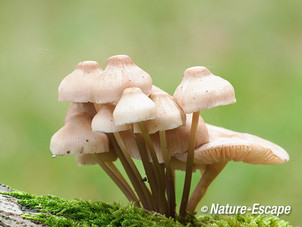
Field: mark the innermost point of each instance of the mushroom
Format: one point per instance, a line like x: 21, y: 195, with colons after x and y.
x: 226, y: 145
x: 199, y: 90
x: 120, y: 73
x: 168, y: 116
x: 104, y: 122
x: 77, y: 86
x: 135, y: 107
x: 76, y: 137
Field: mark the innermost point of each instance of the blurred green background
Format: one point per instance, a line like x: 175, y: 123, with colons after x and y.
x: 256, y: 45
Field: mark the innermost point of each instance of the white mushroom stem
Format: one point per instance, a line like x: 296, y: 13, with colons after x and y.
x: 210, y: 173
x: 116, y: 179
x: 149, y: 168
x: 136, y: 179
x: 158, y: 173
x: 189, y: 165
x: 170, y: 178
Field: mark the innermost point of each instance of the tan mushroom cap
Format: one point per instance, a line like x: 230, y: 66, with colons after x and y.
x: 134, y: 106
x: 227, y: 145
x: 168, y: 114
x: 77, y: 86
x: 76, y: 108
x: 103, y: 120
x: 76, y: 137
x: 90, y: 159
x: 200, y: 90
x: 119, y: 74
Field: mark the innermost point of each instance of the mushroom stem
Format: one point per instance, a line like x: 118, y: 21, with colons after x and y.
x: 208, y: 176
x: 169, y: 174
x: 189, y: 165
x: 141, y: 188
x: 123, y: 180
x: 116, y: 180
x: 149, y: 169
x: 158, y: 173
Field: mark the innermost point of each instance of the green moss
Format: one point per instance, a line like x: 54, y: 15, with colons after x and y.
x: 55, y: 211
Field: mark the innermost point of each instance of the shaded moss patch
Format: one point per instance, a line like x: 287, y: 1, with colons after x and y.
x: 55, y: 211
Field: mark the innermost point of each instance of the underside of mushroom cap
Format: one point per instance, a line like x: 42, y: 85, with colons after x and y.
x: 77, y: 86
x: 178, y: 138
x: 76, y: 108
x: 91, y: 159
x: 130, y: 144
x: 119, y: 74
x: 134, y: 106
x: 168, y: 114
x: 227, y: 145
x: 177, y: 164
x: 76, y: 137
x: 200, y: 90
x: 103, y: 120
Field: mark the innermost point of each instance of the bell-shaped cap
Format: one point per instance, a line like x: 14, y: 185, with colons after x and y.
x: 76, y: 137
x: 134, y: 106
x: 119, y: 74
x: 76, y: 108
x: 91, y: 159
x: 103, y: 120
x: 77, y: 86
x: 200, y: 90
x: 168, y: 114
x: 227, y: 145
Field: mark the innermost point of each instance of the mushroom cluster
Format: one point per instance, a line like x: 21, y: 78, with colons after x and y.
x: 117, y: 113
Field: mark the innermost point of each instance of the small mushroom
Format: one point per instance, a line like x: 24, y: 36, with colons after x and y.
x: 199, y: 90
x: 168, y: 114
x: 134, y: 106
x: 119, y: 74
x: 77, y: 86
x: 76, y: 137
x: 226, y: 145
x: 103, y: 120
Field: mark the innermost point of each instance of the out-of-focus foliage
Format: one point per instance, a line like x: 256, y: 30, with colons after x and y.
x: 256, y: 45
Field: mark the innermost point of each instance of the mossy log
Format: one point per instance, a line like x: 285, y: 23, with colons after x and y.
x: 23, y: 209
x: 11, y: 212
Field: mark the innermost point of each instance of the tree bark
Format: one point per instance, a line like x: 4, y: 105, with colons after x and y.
x: 11, y: 211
